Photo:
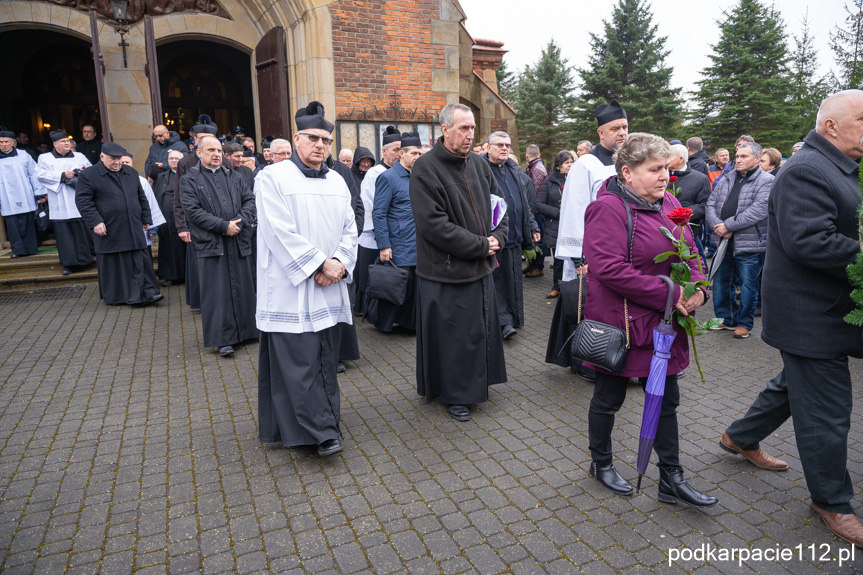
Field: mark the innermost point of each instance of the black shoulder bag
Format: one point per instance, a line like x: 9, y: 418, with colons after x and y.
x: 601, y: 344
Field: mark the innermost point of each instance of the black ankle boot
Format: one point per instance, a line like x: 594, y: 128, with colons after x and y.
x: 610, y: 478
x: 673, y: 488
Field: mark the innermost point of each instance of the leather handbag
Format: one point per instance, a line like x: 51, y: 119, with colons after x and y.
x: 600, y: 344
x: 387, y: 282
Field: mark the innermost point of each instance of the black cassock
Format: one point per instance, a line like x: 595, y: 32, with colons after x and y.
x: 172, y: 250
x: 210, y: 200
x: 193, y: 289
x: 464, y: 318
x: 126, y: 274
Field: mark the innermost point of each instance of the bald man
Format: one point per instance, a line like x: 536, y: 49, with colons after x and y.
x: 812, y: 236
x: 164, y: 141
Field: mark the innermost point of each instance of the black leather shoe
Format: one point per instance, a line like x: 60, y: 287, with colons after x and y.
x: 67, y: 271
x: 610, y: 478
x: 459, y: 412
x: 583, y: 373
x: 226, y: 350
x: 166, y: 283
x: 329, y: 447
x: 341, y: 367
x: 673, y: 488
x: 154, y: 298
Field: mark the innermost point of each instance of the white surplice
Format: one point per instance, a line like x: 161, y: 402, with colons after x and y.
x: 155, y: 211
x: 18, y: 184
x: 61, y: 197
x: 301, y: 222
x: 367, y: 195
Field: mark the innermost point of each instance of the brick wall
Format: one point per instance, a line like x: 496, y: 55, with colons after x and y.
x: 385, y: 45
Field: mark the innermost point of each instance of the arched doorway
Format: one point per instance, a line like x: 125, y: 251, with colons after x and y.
x: 50, y: 83
x: 202, y: 77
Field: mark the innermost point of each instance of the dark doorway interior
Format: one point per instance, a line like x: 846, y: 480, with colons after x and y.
x: 49, y: 80
x: 201, y: 77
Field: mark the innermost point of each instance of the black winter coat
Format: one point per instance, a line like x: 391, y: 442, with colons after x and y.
x: 812, y: 237
x: 548, y: 204
x: 450, y: 200
x: 698, y: 161
x: 199, y: 209
x: 693, y: 192
x: 123, y: 211
x: 528, y: 203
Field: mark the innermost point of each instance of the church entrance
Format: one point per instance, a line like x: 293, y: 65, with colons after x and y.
x: 50, y: 84
x: 201, y: 77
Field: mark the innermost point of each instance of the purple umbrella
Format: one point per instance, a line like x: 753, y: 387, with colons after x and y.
x: 654, y: 389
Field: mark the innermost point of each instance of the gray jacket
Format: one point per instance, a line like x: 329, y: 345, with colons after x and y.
x: 749, y: 225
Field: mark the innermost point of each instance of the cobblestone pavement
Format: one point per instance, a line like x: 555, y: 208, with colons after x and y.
x: 126, y: 447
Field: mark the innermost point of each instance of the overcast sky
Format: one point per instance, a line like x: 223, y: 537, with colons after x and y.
x: 525, y: 27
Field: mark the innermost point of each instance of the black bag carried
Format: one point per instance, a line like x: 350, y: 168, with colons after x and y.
x: 600, y: 344
x: 43, y: 220
x: 389, y: 283
x: 572, y: 295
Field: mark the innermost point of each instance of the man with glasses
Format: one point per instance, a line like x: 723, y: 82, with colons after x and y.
x: 165, y: 142
x: 172, y: 249
x: 280, y: 149
x: 307, y: 248
x: 523, y: 232
x: 90, y: 146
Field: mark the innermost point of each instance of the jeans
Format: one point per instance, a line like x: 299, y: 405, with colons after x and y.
x: 816, y: 394
x: 747, y: 267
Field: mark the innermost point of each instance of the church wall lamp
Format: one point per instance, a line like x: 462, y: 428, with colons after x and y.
x: 120, y: 9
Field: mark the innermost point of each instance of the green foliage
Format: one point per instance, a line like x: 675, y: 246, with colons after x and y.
x: 855, y: 270
x: 627, y: 63
x: 747, y: 88
x: 847, y: 44
x: 507, y: 82
x: 807, y: 91
x: 543, y: 97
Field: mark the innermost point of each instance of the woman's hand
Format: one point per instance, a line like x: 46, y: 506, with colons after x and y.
x: 687, y: 306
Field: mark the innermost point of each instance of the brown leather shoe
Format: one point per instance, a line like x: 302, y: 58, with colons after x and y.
x: 845, y: 526
x: 534, y: 273
x: 756, y: 457
x: 552, y: 294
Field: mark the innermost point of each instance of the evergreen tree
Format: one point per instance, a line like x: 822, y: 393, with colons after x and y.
x: 506, y: 82
x: 847, y: 44
x: 627, y: 63
x: 747, y: 88
x: 807, y: 91
x: 543, y: 99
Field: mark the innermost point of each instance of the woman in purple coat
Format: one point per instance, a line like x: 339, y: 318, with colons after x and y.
x: 641, y: 181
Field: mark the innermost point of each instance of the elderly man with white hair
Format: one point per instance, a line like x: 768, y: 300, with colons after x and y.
x: 280, y: 149
x: 691, y: 187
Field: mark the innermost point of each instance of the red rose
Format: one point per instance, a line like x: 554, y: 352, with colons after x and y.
x: 680, y: 216
x: 673, y: 179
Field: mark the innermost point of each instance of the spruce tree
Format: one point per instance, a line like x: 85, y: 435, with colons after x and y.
x: 747, y: 88
x: 543, y: 98
x: 807, y: 90
x: 506, y: 82
x: 627, y: 63
x: 847, y: 44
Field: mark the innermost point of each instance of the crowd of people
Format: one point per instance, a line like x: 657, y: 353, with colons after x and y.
x: 278, y: 247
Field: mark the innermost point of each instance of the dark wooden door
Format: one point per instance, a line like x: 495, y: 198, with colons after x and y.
x: 272, y: 75
x: 152, y: 70
x: 100, y: 83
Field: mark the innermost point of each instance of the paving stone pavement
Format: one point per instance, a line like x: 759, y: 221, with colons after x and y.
x: 126, y: 447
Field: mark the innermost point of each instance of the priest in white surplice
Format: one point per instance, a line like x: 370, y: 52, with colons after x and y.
x: 18, y: 187
x: 58, y: 173
x: 307, y: 249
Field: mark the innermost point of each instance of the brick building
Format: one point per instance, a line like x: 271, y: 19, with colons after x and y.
x: 244, y: 62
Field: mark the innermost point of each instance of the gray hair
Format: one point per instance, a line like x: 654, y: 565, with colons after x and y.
x: 744, y: 138
x: 587, y: 143
x: 756, y: 148
x: 498, y: 134
x: 681, y: 151
x: 532, y: 150
x: 832, y: 106
x: 274, y: 145
x: 232, y: 148
x: 447, y: 115
x: 178, y: 152
x: 638, y: 148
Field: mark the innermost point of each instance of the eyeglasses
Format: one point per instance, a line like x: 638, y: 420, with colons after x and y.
x: 502, y: 145
x: 314, y: 139
x: 281, y: 153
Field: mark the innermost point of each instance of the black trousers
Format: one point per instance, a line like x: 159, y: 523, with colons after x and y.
x: 608, y: 395
x: 816, y: 394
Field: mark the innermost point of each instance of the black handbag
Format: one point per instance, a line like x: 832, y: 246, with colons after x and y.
x: 600, y: 344
x: 388, y: 283
x: 43, y: 220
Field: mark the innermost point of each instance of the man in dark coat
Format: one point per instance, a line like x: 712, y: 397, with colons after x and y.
x: 166, y: 141
x: 219, y: 209
x: 113, y: 204
x: 812, y: 237
x: 90, y: 146
x: 698, y: 158
x: 523, y: 233
x: 193, y: 289
x: 459, y: 344
x: 172, y: 249
x: 692, y: 189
